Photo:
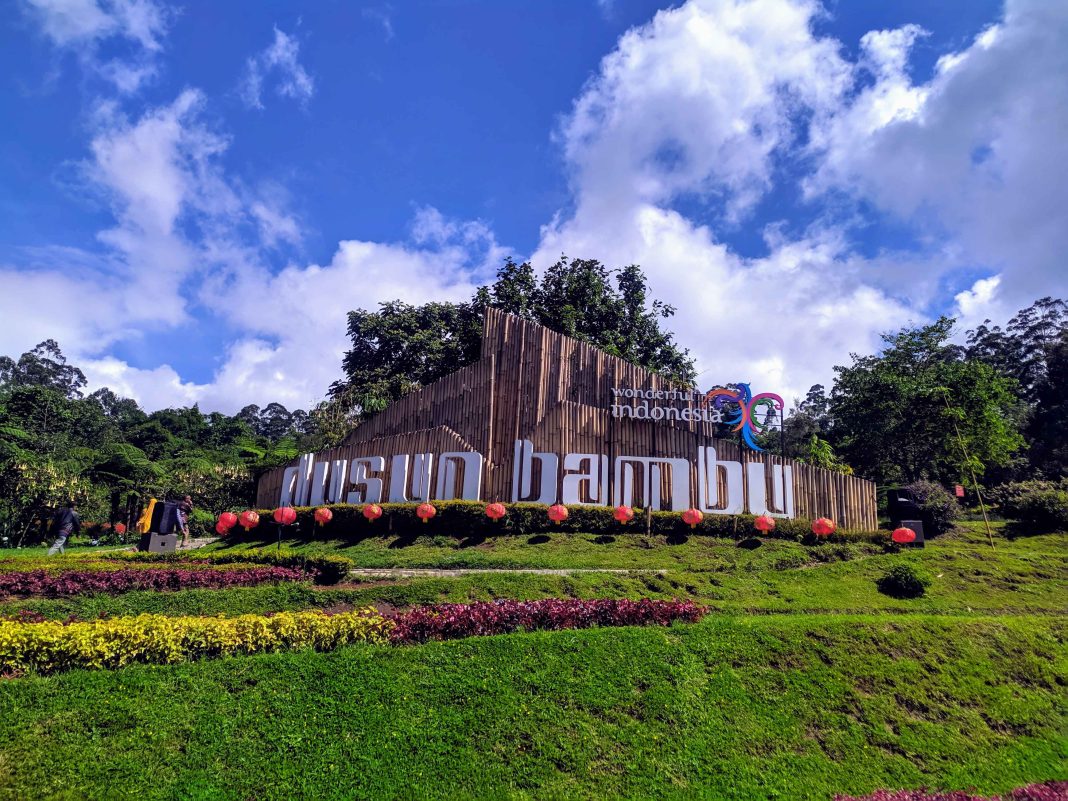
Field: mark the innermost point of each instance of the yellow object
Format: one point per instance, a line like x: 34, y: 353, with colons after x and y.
x: 145, y: 523
x: 156, y: 639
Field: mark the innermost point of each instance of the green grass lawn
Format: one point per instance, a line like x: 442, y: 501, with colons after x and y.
x: 757, y: 707
x: 803, y: 682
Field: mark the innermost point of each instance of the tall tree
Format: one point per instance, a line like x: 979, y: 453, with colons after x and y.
x: 895, y: 416
x: 402, y: 347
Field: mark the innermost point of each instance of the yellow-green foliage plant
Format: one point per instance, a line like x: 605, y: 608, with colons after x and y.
x: 50, y: 647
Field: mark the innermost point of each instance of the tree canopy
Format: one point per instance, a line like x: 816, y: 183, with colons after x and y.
x: 402, y: 347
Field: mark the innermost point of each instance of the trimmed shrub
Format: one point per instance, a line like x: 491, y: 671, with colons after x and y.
x: 155, y: 639
x: 939, y: 508
x: 903, y: 581
x: 1047, y: 791
x: 85, y: 582
x: 323, y: 568
x: 468, y: 519
x: 1038, y: 506
x: 453, y: 621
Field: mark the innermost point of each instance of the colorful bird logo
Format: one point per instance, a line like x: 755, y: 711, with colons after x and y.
x: 743, y: 419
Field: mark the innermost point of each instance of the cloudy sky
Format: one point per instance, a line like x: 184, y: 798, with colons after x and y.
x: 193, y: 196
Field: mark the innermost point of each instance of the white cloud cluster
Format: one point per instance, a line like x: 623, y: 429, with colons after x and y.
x: 700, y: 102
x: 696, y: 109
x: 280, y: 58
x: 974, y: 157
x: 82, y: 26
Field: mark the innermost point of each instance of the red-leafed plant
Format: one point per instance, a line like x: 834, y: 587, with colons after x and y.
x: 453, y: 621
x: 84, y: 582
x: 1047, y: 791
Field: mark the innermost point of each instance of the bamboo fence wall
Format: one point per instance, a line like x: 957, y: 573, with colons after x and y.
x: 534, y: 384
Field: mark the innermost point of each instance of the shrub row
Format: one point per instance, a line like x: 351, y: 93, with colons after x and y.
x: 325, y: 568
x: 156, y: 639
x: 1047, y: 791
x: 468, y: 519
x: 48, y: 647
x: 84, y: 582
x: 453, y: 621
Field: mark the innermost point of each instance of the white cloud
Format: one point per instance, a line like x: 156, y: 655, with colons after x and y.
x: 700, y: 102
x: 82, y: 25
x: 281, y: 59
x: 697, y: 101
x: 975, y: 156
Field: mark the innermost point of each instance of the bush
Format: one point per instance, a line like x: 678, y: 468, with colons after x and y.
x: 903, y: 581
x: 468, y: 519
x: 452, y: 621
x: 939, y: 508
x: 1038, y: 506
x: 323, y: 568
x: 1047, y: 791
x: 50, y: 647
x: 84, y: 582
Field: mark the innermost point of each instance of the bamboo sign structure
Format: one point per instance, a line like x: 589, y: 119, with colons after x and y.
x: 547, y: 418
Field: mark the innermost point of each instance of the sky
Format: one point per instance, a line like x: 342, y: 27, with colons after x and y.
x: 193, y: 196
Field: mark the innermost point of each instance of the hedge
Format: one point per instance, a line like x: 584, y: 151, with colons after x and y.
x: 85, y: 582
x: 1047, y: 791
x: 50, y: 647
x: 453, y: 621
x: 468, y: 519
x: 323, y: 568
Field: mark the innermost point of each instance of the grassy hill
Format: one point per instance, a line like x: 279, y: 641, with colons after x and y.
x: 803, y: 683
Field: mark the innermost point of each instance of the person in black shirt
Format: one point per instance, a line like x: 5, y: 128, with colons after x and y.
x: 64, y: 523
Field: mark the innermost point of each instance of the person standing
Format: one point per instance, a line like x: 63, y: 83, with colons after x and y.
x: 185, y: 508
x: 64, y: 523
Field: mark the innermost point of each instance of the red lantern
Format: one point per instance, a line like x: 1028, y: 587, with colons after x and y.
x: 227, y: 520
x: 903, y: 536
x: 764, y: 524
x: 323, y: 515
x: 285, y: 515
x: 623, y: 514
x: 692, y: 517
x: 120, y: 528
x: 372, y: 512
x: 221, y: 530
x: 823, y: 527
x: 248, y: 519
x: 425, y: 511
x: 557, y: 513
x: 495, y: 511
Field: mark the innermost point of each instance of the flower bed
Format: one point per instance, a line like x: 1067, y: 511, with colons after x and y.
x: 82, y: 582
x: 453, y: 621
x: 1047, y: 791
x: 156, y: 639
x: 27, y: 644
x: 327, y: 568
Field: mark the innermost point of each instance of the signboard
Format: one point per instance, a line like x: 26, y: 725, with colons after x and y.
x: 958, y: 491
x: 724, y: 486
x: 735, y: 406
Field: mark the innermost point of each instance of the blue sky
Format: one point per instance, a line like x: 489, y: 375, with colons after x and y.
x: 191, y: 196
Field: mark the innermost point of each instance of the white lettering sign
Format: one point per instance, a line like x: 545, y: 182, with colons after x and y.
x: 724, y: 487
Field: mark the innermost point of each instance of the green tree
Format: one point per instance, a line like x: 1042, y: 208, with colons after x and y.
x: 892, y: 415
x: 402, y: 347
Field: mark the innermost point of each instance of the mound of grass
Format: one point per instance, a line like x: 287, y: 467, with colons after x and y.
x: 784, y: 707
